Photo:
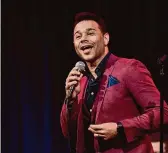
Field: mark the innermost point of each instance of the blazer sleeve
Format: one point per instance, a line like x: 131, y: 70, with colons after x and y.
x: 140, y: 84
x: 64, y: 117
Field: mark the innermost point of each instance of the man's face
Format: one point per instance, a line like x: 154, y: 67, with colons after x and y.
x: 89, y: 41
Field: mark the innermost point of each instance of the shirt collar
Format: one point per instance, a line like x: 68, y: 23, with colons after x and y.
x: 100, y: 68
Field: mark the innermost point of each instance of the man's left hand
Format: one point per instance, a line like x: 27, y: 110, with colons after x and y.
x: 105, y: 130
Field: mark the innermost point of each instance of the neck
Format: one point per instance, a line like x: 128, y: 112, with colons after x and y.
x: 93, y: 65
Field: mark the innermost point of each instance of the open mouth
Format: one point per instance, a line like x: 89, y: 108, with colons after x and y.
x: 85, y: 47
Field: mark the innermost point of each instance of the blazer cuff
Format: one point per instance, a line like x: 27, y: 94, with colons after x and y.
x: 120, y: 132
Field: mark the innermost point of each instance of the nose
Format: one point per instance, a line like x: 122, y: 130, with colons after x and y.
x: 84, y: 38
x: 84, y: 41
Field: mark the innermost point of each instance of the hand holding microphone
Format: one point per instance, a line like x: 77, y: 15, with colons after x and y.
x: 72, y: 86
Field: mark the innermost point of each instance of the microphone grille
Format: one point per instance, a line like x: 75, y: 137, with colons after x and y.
x: 80, y: 65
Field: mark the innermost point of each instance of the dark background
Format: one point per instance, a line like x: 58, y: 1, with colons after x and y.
x: 38, y: 53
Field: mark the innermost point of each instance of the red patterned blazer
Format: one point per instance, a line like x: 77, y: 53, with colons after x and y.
x: 132, y: 100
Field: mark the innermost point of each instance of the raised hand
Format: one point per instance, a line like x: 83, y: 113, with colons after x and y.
x: 73, y: 80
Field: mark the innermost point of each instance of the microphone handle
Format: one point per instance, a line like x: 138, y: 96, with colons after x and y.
x: 71, y: 89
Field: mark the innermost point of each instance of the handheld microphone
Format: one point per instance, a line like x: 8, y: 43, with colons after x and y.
x: 81, y: 68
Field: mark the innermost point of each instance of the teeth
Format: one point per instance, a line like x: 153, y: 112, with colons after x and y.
x: 86, y: 47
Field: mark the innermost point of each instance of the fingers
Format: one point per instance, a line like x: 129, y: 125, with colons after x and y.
x: 68, y: 85
x: 73, y: 78
x: 99, y: 135
x: 75, y: 72
x: 100, y: 132
x: 96, y: 127
x: 97, y: 131
x: 104, y: 130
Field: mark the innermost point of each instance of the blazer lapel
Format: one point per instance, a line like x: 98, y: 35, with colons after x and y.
x: 103, y: 85
x: 83, y: 87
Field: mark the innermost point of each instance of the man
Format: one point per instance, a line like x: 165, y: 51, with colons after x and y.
x: 115, y: 104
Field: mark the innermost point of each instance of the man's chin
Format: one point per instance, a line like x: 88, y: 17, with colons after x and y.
x: 89, y: 59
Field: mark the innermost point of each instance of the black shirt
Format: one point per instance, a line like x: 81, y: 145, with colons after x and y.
x: 93, y: 84
x: 91, y: 91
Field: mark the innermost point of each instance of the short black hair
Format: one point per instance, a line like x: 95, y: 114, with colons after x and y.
x: 90, y: 16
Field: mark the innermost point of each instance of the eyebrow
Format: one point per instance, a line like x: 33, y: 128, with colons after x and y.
x: 89, y: 29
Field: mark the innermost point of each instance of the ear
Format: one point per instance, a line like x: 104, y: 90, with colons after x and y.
x: 106, y: 38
